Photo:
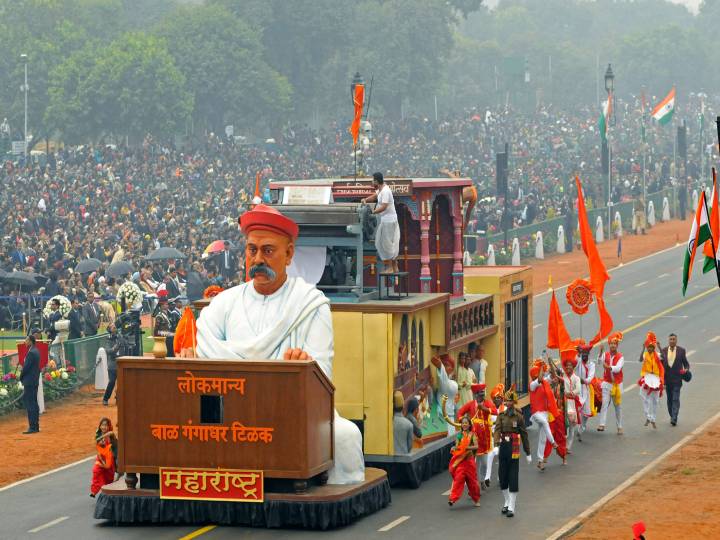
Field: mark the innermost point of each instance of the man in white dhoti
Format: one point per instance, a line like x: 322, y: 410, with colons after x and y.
x: 387, y: 235
x: 278, y: 317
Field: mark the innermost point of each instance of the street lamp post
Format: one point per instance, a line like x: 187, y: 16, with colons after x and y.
x: 24, y: 88
x: 610, y: 88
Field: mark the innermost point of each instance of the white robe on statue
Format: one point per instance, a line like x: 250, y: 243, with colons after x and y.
x: 242, y: 323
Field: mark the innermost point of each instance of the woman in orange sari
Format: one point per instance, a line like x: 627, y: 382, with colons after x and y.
x: 104, y: 469
x: 462, y: 464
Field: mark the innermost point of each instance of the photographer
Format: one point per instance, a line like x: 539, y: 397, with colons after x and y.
x: 113, y: 350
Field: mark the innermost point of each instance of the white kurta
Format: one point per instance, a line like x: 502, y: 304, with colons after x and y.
x: 242, y: 323
x: 586, y: 372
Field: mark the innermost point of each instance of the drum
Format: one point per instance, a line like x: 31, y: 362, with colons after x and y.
x: 651, y: 382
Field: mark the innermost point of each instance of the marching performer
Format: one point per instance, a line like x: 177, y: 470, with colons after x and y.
x: 586, y: 373
x: 462, y: 464
x: 509, y: 431
x: 479, y: 410
x: 572, y: 385
x: 652, y: 375
x: 612, y: 381
x: 496, y: 395
x: 543, y: 409
x: 557, y: 423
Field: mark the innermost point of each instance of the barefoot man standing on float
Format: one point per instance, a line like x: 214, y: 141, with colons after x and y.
x: 276, y: 317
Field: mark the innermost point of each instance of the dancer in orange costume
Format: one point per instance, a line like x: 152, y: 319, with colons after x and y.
x: 462, y: 464
x: 104, y: 469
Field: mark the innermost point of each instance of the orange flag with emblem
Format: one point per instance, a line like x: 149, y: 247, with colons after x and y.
x: 598, y: 273
x: 186, y: 333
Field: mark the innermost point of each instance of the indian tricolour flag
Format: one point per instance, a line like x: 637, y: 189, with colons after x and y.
x: 604, y: 119
x: 712, y: 259
x: 663, y: 111
x: 699, y: 234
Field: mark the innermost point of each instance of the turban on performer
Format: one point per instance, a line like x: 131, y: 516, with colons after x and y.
x: 650, y: 339
x: 266, y: 218
x: 534, y: 372
x: 569, y: 355
x: 499, y: 390
x: 616, y: 337
x: 477, y: 388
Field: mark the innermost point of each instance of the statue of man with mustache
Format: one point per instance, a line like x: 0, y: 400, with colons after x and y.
x: 275, y: 317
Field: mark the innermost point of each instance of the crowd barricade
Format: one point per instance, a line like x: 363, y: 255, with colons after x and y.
x: 82, y: 353
x: 549, y: 227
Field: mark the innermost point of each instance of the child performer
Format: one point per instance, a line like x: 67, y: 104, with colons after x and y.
x: 104, y: 469
x: 462, y: 464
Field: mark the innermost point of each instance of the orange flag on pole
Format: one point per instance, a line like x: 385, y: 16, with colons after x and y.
x: 557, y: 336
x: 598, y: 273
x: 358, y: 101
x: 186, y: 333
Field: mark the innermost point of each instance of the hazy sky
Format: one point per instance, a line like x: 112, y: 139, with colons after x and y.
x: 691, y: 4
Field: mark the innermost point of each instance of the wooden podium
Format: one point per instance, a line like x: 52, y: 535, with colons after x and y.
x: 270, y: 416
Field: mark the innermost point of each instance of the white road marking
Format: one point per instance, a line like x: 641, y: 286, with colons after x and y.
x: 663, y: 275
x: 713, y: 340
x: 641, y: 283
x: 705, y: 364
x: 576, y: 522
x: 48, y: 524
x: 616, y: 293
x: 26, y: 480
x: 633, y: 385
x: 690, y: 353
x: 393, y: 524
x: 661, y: 317
x: 446, y: 493
x: 616, y: 267
x: 537, y: 326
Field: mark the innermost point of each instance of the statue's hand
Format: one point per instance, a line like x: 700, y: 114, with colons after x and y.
x: 296, y: 354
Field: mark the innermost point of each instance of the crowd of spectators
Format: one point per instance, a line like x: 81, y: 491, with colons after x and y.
x: 120, y: 202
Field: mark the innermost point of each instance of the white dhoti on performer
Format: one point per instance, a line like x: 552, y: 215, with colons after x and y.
x: 387, y: 240
x: 241, y: 323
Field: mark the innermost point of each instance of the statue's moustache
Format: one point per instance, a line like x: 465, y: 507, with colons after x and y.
x: 262, y: 269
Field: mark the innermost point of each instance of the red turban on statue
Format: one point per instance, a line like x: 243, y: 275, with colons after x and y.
x: 267, y: 218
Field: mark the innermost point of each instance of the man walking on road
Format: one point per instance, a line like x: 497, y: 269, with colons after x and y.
x: 676, y: 366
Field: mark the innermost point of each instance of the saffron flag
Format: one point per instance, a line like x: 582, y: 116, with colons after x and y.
x: 664, y: 110
x: 699, y: 234
x: 557, y: 336
x: 711, y: 259
x: 358, y: 101
x: 186, y: 333
x: 598, y: 273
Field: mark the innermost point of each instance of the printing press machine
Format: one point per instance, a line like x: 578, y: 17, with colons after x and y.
x: 347, y: 231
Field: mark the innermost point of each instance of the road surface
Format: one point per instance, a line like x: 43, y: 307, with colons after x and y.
x: 641, y: 296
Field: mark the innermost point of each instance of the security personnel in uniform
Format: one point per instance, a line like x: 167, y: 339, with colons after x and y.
x: 30, y: 379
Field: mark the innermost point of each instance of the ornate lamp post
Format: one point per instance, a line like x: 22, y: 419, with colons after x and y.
x: 610, y: 89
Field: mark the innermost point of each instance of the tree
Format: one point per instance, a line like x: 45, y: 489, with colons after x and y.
x: 222, y: 60
x: 128, y: 88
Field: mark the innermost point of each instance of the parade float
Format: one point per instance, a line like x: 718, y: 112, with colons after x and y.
x: 250, y: 442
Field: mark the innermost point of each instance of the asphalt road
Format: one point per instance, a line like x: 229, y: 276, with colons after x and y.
x: 649, y: 288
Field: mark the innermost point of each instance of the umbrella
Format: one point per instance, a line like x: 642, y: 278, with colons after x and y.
x: 23, y: 279
x: 120, y: 268
x: 87, y: 265
x: 215, y: 247
x: 164, y: 253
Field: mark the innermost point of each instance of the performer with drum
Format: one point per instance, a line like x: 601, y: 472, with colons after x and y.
x: 652, y: 375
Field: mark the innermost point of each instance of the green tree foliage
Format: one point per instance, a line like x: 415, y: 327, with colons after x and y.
x: 127, y: 88
x: 222, y: 60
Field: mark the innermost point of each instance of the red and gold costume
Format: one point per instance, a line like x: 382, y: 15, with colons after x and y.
x: 463, y: 468
x: 103, y: 472
x: 481, y: 423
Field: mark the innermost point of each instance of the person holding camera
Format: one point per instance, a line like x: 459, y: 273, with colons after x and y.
x: 113, y: 350
x: 677, y: 370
